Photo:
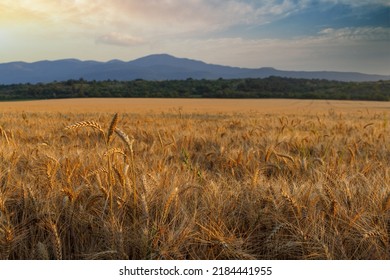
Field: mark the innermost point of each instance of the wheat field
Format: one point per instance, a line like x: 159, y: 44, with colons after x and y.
x: 208, y: 179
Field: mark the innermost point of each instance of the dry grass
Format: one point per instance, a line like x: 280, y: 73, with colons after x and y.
x: 187, y: 185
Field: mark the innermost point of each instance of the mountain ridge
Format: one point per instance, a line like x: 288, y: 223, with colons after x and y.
x: 154, y: 67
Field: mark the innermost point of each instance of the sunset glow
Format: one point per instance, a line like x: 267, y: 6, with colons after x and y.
x: 342, y: 35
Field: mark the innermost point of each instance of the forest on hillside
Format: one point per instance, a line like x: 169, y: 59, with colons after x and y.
x: 272, y: 87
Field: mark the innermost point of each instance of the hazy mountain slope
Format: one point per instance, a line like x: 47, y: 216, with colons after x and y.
x: 153, y: 67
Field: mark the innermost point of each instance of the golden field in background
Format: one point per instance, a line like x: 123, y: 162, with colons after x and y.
x: 211, y: 106
x: 194, y: 179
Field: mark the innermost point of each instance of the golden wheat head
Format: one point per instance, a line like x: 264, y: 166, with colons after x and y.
x: 125, y: 138
x: 112, y: 127
x: 92, y: 124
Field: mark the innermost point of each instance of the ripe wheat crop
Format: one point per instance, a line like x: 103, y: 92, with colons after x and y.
x: 183, y: 185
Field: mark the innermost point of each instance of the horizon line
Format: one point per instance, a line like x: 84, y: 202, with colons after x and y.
x: 186, y: 58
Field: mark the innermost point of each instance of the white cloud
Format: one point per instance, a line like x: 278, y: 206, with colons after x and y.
x: 119, y: 39
x: 357, y: 34
x: 164, y: 16
x: 156, y: 15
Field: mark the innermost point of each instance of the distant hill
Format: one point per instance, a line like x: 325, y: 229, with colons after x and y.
x: 154, y: 67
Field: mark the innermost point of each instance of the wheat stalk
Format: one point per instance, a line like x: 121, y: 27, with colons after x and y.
x: 367, y: 125
x: 50, y: 172
x: 114, y: 150
x: 94, y: 172
x: 125, y: 138
x: 255, y: 177
x: 268, y: 154
x: 352, y: 155
x: 292, y: 202
x: 171, y: 198
x: 56, y: 240
x: 145, y: 209
x: 290, y: 158
x: 348, y: 196
x: 112, y: 127
x: 91, y: 124
x: 4, y: 134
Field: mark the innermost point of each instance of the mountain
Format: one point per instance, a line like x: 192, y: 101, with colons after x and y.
x: 153, y: 67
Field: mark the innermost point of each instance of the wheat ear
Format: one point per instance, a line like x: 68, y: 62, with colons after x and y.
x: 92, y: 124
x: 291, y: 202
x: 112, y: 127
x: 268, y: 154
x: 56, y: 240
x: 125, y: 138
x: 114, y: 151
x: 172, y: 196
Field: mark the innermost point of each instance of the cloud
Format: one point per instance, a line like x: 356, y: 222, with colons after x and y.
x: 345, y: 49
x: 356, y: 3
x: 158, y: 16
x: 166, y: 16
x: 157, y: 19
x: 119, y: 39
x: 367, y: 34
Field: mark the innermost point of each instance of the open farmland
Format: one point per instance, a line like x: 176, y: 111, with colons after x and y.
x: 277, y: 107
x: 194, y: 179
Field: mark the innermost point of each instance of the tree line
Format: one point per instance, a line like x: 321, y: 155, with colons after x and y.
x: 272, y: 87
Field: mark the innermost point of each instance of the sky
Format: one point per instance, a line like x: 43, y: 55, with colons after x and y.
x: 334, y: 35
